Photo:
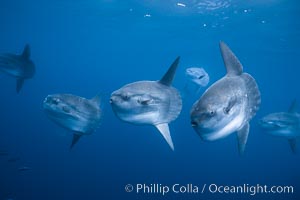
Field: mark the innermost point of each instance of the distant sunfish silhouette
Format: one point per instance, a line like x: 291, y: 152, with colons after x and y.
x: 283, y: 124
x: 197, y: 75
x: 18, y: 66
x: 154, y: 103
x: 228, y: 105
x: 196, y: 79
x: 80, y: 115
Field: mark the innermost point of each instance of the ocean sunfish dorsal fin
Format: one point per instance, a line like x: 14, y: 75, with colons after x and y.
x: 292, y: 143
x: 164, y: 130
x: 76, y: 137
x: 292, y: 108
x: 231, y: 62
x: 20, y: 82
x: 26, y: 52
x: 242, y: 136
x: 169, y: 75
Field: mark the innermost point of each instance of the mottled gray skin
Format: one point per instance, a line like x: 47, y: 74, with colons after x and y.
x: 154, y: 103
x: 18, y: 66
x: 223, y: 108
x: 73, y: 112
x: 146, y: 102
x: 228, y: 105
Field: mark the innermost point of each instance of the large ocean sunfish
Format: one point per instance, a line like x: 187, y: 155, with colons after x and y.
x: 18, y: 66
x: 78, y: 114
x: 154, y: 103
x: 228, y: 105
x: 283, y: 124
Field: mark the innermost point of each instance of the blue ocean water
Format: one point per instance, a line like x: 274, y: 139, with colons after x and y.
x: 87, y: 47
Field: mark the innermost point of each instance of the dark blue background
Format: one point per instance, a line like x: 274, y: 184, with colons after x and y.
x: 85, y: 47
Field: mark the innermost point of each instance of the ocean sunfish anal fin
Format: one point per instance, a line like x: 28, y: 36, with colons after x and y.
x: 292, y: 108
x: 20, y: 82
x: 293, y: 144
x: 169, y: 75
x: 76, y: 137
x: 164, y: 130
x: 231, y: 62
x: 242, y: 136
x: 26, y: 52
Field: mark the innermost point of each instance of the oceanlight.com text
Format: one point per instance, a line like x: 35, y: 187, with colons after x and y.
x: 164, y: 189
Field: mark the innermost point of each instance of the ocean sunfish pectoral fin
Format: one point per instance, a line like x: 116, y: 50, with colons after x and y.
x: 169, y: 75
x: 164, y: 130
x: 76, y: 137
x: 231, y: 62
x: 242, y: 136
x: 292, y: 108
x: 20, y: 82
x: 292, y: 143
x: 26, y: 52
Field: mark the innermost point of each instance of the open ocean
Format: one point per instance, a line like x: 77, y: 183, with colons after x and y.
x: 90, y: 47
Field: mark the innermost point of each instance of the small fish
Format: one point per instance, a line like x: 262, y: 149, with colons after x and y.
x: 24, y: 168
x: 18, y: 66
x: 283, y: 124
x: 228, y: 105
x: 78, y: 114
x: 154, y: 103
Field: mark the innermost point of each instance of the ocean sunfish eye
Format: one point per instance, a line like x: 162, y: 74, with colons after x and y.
x: 125, y: 97
x: 212, y: 113
x: 55, y: 101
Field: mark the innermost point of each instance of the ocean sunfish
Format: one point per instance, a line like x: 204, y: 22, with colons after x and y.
x: 228, y: 105
x: 78, y: 114
x: 154, y: 103
x: 197, y: 75
x: 196, y: 78
x: 283, y: 124
x: 18, y: 66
